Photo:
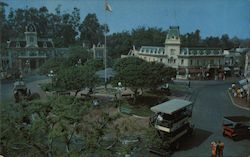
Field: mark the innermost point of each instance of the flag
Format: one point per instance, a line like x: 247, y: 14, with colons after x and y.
x: 107, y: 6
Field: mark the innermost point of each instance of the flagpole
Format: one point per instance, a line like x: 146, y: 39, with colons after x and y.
x: 105, y: 47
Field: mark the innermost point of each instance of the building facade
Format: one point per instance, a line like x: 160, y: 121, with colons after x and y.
x: 190, y: 62
x: 98, y: 51
x: 29, y: 53
x: 247, y: 67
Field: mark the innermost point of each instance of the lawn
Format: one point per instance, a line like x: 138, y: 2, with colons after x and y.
x: 143, y: 103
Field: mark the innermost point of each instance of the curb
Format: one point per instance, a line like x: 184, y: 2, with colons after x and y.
x: 245, y: 108
x: 133, y: 115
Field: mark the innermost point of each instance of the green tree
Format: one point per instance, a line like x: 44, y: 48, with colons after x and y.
x: 77, y: 78
x: 136, y: 73
x: 95, y: 64
x: 78, y: 55
x: 119, y: 43
x: 132, y: 72
x: 148, y: 36
x: 92, y: 32
x: 159, y: 74
x: 191, y: 39
x: 54, y: 64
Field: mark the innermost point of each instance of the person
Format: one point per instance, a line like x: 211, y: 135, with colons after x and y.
x: 221, y: 147
x: 213, y: 147
x: 29, y: 93
x: 217, y: 148
x: 189, y: 84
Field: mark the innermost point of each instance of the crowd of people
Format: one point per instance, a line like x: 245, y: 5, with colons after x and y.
x: 217, y: 148
x: 238, y: 91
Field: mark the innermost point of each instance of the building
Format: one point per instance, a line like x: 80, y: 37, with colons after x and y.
x: 29, y: 53
x: 247, y: 67
x: 98, y: 51
x: 190, y: 62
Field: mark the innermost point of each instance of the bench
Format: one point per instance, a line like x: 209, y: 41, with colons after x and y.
x: 125, y: 110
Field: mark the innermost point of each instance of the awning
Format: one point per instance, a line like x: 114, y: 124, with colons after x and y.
x: 236, y: 68
x: 194, y: 70
x: 246, y: 87
x: 181, y: 70
x: 243, y: 82
x: 227, y: 69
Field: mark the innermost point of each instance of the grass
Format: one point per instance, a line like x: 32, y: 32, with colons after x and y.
x: 143, y: 104
x: 178, y: 87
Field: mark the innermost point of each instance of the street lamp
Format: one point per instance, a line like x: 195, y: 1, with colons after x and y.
x: 119, y: 90
x: 51, y: 74
x: 27, y: 63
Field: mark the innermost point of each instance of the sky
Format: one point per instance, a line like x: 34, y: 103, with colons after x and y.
x: 211, y: 17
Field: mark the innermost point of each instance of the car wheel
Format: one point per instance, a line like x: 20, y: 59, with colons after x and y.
x: 235, y: 138
x: 224, y: 134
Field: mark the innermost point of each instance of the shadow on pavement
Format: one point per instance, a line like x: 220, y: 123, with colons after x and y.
x: 197, y: 138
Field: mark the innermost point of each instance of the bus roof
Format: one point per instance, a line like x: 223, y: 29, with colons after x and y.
x: 171, y: 106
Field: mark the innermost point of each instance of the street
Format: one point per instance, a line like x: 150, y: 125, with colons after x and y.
x: 212, y: 103
x: 31, y: 82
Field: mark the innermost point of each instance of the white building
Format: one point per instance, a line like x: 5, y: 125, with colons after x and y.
x: 190, y: 62
x: 247, y: 67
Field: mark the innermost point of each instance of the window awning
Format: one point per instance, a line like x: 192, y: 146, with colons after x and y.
x: 227, y: 69
x: 243, y: 82
x: 246, y: 87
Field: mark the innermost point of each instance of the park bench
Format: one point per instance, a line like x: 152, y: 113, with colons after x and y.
x: 125, y: 110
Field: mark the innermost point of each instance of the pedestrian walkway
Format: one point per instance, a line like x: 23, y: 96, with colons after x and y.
x: 240, y: 102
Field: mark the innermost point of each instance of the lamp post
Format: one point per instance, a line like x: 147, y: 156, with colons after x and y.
x: 119, y: 90
x: 27, y: 63
x: 51, y: 74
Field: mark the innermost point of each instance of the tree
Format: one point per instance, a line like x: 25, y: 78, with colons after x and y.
x: 92, y: 32
x: 136, y: 73
x: 78, y: 55
x: 131, y: 72
x: 148, y: 36
x: 76, y: 78
x: 95, y: 64
x: 54, y: 64
x: 119, y: 43
x: 191, y: 39
x: 3, y: 24
x: 43, y: 128
x: 212, y: 41
x: 159, y: 74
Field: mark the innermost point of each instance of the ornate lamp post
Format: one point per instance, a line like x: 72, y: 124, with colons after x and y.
x: 119, y: 92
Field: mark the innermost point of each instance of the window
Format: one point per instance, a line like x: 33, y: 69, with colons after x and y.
x: 198, y: 62
x: 172, y: 51
x: 18, y: 44
x: 45, y: 45
x: 174, y: 60
x: 182, y: 61
x: 191, y: 62
x: 31, y: 39
x: 161, y: 59
x: 211, y: 61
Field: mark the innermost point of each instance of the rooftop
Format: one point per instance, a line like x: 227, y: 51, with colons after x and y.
x: 171, y: 106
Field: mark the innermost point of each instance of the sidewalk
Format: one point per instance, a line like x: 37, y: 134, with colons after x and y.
x: 239, y: 102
